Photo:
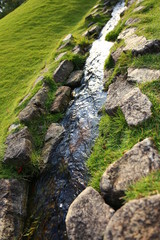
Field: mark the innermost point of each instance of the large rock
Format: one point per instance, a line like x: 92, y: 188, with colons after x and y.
x: 136, y: 107
x: 63, y: 97
x: 63, y: 71
x: 139, y: 45
x: 53, y: 137
x: 138, y: 219
x: 88, y: 216
x: 36, y: 106
x: 116, y: 92
x: 19, y: 148
x: 142, y: 159
x: 75, y: 78
x: 13, y: 204
x: 142, y: 75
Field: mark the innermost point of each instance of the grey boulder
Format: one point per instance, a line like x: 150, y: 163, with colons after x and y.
x: 137, y: 220
x: 142, y: 75
x: 75, y: 78
x: 61, y: 102
x: 36, y: 106
x: 142, y: 159
x: 13, y: 205
x: 88, y: 216
x: 63, y: 71
x: 53, y: 136
x: 19, y: 148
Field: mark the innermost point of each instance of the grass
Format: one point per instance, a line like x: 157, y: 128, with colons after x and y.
x: 115, y: 136
x: 29, y: 37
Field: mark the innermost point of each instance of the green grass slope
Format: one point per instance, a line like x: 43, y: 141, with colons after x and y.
x: 28, y: 39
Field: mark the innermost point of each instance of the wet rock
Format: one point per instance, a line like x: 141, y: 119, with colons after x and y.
x: 63, y: 71
x: 142, y: 159
x: 142, y: 75
x: 116, y: 92
x: 88, y: 216
x: 136, y: 107
x: 36, y: 106
x: 19, y: 148
x: 53, y: 137
x: 139, y: 45
x: 13, y: 204
x: 138, y: 219
x: 75, y: 78
x: 63, y: 97
x: 60, y: 56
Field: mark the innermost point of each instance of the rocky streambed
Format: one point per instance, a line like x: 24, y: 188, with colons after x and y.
x: 66, y: 174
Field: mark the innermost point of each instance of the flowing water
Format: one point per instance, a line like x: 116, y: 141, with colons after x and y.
x: 66, y: 175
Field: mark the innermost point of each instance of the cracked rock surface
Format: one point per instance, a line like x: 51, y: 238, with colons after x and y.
x: 141, y: 75
x: 88, y: 216
x: 142, y: 159
x: 137, y: 220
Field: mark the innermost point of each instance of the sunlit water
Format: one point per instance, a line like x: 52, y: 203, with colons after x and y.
x: 67, y: 174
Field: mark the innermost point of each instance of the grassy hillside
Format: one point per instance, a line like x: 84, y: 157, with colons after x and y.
x: 116, y: 137
x: 28, y: 39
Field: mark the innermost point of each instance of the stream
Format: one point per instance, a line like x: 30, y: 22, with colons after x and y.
x: 66, y: 175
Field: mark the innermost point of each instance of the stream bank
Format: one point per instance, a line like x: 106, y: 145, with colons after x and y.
x: 66, y: 174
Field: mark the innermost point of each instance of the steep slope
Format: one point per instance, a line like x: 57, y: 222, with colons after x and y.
x: 28, y: 38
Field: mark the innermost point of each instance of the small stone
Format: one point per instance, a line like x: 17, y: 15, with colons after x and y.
x: 53, y: 136
x: 36, y: 106
x: 142, y: 75
x: 142, y: 159
x: 13, y: 208
x: 60, y: 56
x: 116, y: 54
x: 137, y: 219
x: 131, y: 21
x: 63, y: 71
x: 19, y: 148
x: 88, y: 216
x: 95, y: 30
x: 69, y: 37
x: 61, y: 102
x: 75, y: 78
x: 138, y: 9
x: 13, y: 127
x: 77, y: 50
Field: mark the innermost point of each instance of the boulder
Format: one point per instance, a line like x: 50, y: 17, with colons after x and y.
x: 116, y: 92
x: 139, y: 45
x: 75, y: 78
x: 13, y: 204
x: 53, y: 136
x: 142, y: 159
x: 61, y: 102
x: 136, y: 107
x: 138, y: 219
x: 19, y: 148
x: 63, y: 71
x: 142, y: 75
x: 36, y: 106
x: 88, y: 216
